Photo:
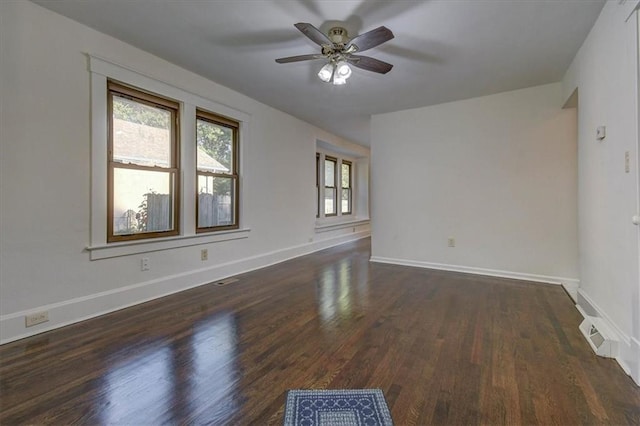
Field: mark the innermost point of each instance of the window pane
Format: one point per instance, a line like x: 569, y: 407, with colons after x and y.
x: 215, y: 201
x: 317, y: 185
x: 346, y: 201
x: 142, y: 201
x: 329, y: 173
x: 141, y: 133
x: 346, y: 175
x: 215, y: 147
x: 330, y: 201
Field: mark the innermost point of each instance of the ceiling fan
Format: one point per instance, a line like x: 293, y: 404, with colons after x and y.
x: 340, y: 51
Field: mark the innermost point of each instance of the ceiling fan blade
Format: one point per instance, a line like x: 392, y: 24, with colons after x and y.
x: 369, y: 64
x: 299, y: 58
x: 313, y: 33
x: 371, y: 39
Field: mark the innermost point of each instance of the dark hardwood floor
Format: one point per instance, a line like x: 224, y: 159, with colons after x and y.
x: 445, y: 348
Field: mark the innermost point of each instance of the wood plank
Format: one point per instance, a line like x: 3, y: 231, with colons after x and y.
x: 445, y: 348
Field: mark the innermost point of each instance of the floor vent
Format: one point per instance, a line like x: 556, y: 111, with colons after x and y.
x: 227, y: 281
x: 601, y: 339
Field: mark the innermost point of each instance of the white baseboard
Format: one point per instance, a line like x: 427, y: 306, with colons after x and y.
x: 634, y: 354
x: 569, y: 284
x: 12, y: 326
x: 628, y: 348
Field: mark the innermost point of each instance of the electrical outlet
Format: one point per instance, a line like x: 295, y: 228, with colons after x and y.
x: 204, y: 254
x: 36, y: 318
x: 144, y: 264
x: 451, y: 242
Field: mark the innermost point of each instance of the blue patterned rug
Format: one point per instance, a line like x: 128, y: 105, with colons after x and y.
x: 343, y: 407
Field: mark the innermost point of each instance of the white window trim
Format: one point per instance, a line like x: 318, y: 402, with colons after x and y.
x: 326, y: 227
x: 128, y: 248
x: 101, y: 70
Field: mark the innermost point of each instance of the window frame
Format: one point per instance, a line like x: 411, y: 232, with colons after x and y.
x: 208, y: 116
x: 349, y: 188
x: 339, y: 158
x: 116, y: 88
x: 334, y: 160
x: 318, y: 202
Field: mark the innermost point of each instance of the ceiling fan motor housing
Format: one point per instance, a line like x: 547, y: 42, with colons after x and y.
x: 338, y: 35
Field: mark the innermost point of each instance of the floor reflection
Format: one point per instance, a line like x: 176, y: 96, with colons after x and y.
x: 215, y: 374
x: 342, y: 293
x: 190, y: 380
x: 141, y: 385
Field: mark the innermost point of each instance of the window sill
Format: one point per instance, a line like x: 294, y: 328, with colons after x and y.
x: 106, y: 251
x: 339, y: 223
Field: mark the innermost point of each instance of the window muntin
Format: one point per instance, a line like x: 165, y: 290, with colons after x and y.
x: 346, y: 191
x: 216, y: 172
x: 143, y: 163
x: 330, y: 190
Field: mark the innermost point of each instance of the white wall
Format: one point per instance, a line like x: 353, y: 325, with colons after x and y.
x: 605, y: 73
x: 45, y: 177
x: 497, y: 173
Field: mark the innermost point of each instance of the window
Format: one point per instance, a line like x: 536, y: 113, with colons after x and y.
x: 216, y: 172
x: 142, y: 159
x: 345, y: 207
x: 334, y: 185
x: 317, y: 185
x: 144, y: 175
x: 330, y: 190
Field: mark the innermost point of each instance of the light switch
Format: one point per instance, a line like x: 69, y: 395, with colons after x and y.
x: 601, y: 132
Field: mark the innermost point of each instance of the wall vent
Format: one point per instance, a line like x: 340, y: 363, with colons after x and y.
x: 601, y: 339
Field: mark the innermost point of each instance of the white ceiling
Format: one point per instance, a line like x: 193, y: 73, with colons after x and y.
x: 443, y: 50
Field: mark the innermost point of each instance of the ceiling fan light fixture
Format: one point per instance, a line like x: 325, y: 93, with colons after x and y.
x: 343, y: 70
x: 338, y: 80
x: 326, y: 72
x: 336, y: 73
